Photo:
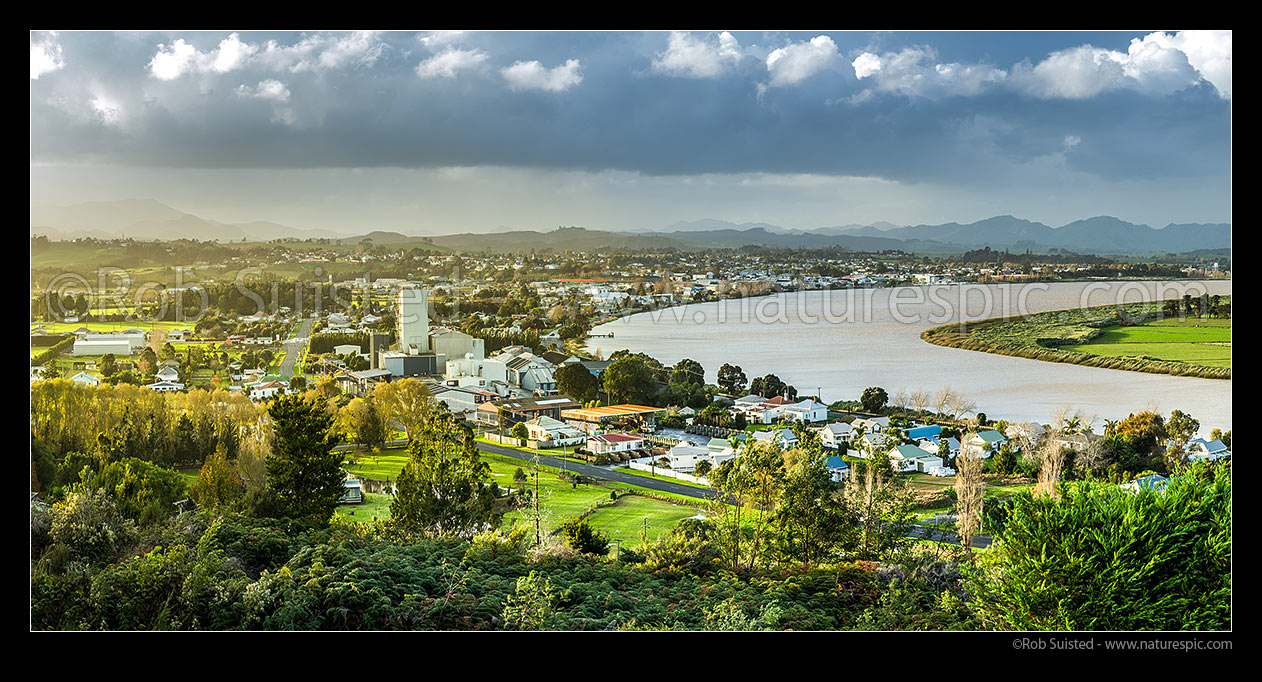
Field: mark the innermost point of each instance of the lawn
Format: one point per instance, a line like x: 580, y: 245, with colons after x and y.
x: 625, y: 519
x: 375, y: 506
x: 559, y: 499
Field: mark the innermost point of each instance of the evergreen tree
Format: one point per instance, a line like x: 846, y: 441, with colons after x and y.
x: 442, y: 490
x: 305, y: 472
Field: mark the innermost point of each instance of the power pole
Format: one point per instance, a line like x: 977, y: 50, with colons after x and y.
x: 538, y: 534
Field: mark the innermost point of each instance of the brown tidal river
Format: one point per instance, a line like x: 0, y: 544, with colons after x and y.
x: 840, y: 342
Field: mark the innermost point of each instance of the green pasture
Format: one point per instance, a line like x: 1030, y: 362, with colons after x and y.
x: 375, y: 506
x: 625, y: 519
x: 1191, y: 340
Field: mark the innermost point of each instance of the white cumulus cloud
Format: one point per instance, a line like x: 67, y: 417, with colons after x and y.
x: 865, y: 65
x: 181, y: 58
x: 698, y: 58
x: 796, y: 62
x: 448, y: 63
x: 269, y: 89
x: 533, y: 76
x: 1156, y: 64
x: 1208, y: 52
x: 45, y: 56
x: 916, y: 72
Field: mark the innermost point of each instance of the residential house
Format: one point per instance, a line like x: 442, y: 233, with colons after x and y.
x: 610, y: 443
x: 1200, y: 450
x: 834, y: 435
x: 553, y: 433
x: 86, y: 379
x: 268, y: 390
x: 523, y: 409
x: 784, y: 437
x: 593, y: 420
x: 837, y: 467
x: 983, y: 443
x: 165, y: 386
x: 909, y: 458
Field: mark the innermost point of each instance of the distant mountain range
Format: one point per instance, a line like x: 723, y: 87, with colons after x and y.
x: 146, y: 219
x: 149, y: 220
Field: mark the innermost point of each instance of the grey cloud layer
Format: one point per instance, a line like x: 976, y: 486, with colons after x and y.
x: 653, y: 103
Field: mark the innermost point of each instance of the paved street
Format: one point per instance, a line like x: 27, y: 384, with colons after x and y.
x: 609, y: 474
x: 294, y: 346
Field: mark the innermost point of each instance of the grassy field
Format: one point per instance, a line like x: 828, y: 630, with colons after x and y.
x: 1193, y: 341
x: 559, y: 499
x: 625, y: 519
x: 1097, y: 337
x: 374, y: 507
x: 63, y: 327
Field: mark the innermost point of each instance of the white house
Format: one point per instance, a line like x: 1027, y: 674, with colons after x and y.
x: 983, y: 443
x: 614, y: 442
x: 871, y: 425
x: 834, y: 435
x: 268, y: 390
x: 945, y: 447
x: 909, y: 458
x: 553, y: 433
x: 165, y: 386
x: 784, y: 437
x: 1200, y: 449
x: 806, y: 411
x: 684, y: 456
x: 167, y: 374
x: 86, y: 379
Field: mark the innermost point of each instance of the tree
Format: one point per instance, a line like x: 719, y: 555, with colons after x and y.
x: 443, y: 490
x: 520, y: 432
x: 687, y: 372
x: 582, y: 538
x: 771, y: 386
x: 1180, y: 428
x: 1146, y: 429
x: 970, y: 489
x: 1101, y: 558
x: 731, y: 378
x: 531, y: 605
x: 874, y: 398
x: 109, y: 365
x: 304, y: 471
x: 812, y: 520
x: 406, y: 402
x: 630, y: 380
x: 144, y: 491
x: 577, y: 382
x: 1004, y: 461
x: 882, y: 503
x: 217, y: 486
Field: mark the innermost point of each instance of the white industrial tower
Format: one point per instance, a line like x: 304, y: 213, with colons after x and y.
x: 413, y: 319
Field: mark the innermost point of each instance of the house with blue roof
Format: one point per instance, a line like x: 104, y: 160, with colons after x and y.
x: 934, y: 432
x: 837, y: 467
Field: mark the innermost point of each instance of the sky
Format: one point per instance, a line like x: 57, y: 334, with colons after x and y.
x: 439, y: 132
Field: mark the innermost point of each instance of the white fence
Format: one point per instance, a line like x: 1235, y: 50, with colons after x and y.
x: 642, y: 465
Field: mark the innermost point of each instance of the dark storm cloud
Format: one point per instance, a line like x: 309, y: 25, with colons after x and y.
x: 329, y: 101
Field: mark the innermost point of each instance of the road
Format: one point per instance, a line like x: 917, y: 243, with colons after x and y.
x: 294, y: 346
x: 609, y: 474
